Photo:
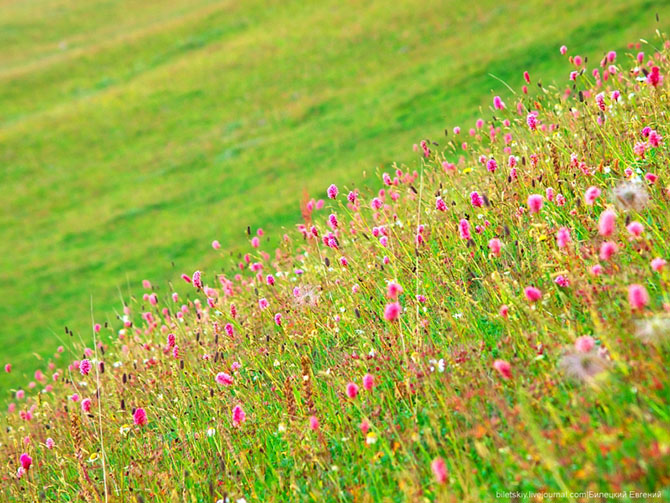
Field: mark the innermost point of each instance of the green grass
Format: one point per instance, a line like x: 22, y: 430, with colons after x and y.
x: 134, y: 133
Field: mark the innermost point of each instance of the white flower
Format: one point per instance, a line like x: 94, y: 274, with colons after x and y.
x: 211, y: 432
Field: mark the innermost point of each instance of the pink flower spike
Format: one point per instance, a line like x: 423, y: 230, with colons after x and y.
x: 495, y: 247
x: 658, y: 263
x: 85, y: 367
x: 637, y: 297
x: 332, y: 191
x: 504, y: 368
x: 439, y: 468
x: 392, y: 311
x: 216, y: 245
x: 592, y: 193
x: 584, y: 344
x: 352, y: 390
x: 532, y: 293
x: 239, y: 416
x: 607, y: 223
x: 535, y: 203
x: 25, y: 461
x: 313, y: 423
x: 223, y: 379
x: 368, y: 382
x: 140, y: 417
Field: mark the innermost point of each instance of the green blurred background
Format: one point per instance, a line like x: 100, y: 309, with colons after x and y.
x: 133, y: 133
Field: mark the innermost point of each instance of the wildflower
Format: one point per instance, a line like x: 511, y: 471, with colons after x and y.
x: 498, y: 103
x: 196, y: 278
x: 563, y: 237
x: 532, y: 293
x: 635, y: 228
x: 658, y: 263
x: 504, y: 368
x: 606, y: 223
x: 491, y: 165
x: 654, y: 78
x: 476, y: 200
x: 393, y: 290
x: 86, y: 405
x: 25, y: 461
x: 332, y: 191
x: 562, y: 281
x: 224, y: 379
x: 584, y: 344
x: 371, y: 438
x: 277, y: 319
x: 563, y: 50
x: 216, y: 245
x: 313, y: 423
x: 440, y: 205
x: 535, y: 203
x: 607, y: 249
x: 368, y: 382
x: 50, y: 443
x: 392, y: 311
x: 504, y: 311
x: 439, y: 468
x: 531, y: 120
x: 464, y: 229
x: 8, y: 367
x: 638, y: 297
x: 239, y: 416
x: 263, y: 303
x: 495, y: 246
x: 140, y: 417
x: 592, y: 193
x: 85, y: 367
x: 352, y: 390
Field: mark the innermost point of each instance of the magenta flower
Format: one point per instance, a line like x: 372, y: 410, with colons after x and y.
x: 637, y: 297
x: 85, y: 367
x: 224, y: 379
x: 439, y: 468
x: 140, y: 417
x: 25, y: 461
x: 532, y: 293
x: 503, y: 368
x: 352, y: 390
x: 332, y: 191
x: 392, y: 311
x: 239, y: 416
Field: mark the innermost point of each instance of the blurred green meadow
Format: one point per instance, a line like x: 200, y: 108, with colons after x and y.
x: 132, y: 134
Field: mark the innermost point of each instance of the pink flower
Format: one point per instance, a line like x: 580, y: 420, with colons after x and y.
x: 140, y: 417
x: 635, y: 228
x: 584, y: 344
x: 263, y: 303
x: 278, y: 319
x: 352, y: 390
x: 531, y: 120
x: 239, y: 416
x: 393, y: 290
x: 392, y: 311
x: 592, y: 193
x: 532, y: 293
x: 607, y: 223
x: 498, y: 103
x: 504, y: 368
x: 8, y: 367
x: 224, y: 379
x: 504, y: 311
x: 654, y: 78
x: 495, y: 246
x: 439, y: 468
x: 313, y: 423
x: 464, y: 229
x: 562, y: 281
x: 50, y: 443
x: 607, y: 249
x: 535, y: 203
x: 216, y: 245
x: 440, y: 205
x: 658, y: 263
x: 25, y: 461
x: 196, y: 278
x: 476, y: 200
x: 86, y: 405
x: 491, y: 165
x: 332, y: 191
x: 85, y: 367
x: 563, y: 50
x: 563, y: 237
x: 368, y: 382
x: 637, y: 297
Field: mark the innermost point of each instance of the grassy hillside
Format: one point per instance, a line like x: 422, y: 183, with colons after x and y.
x: 490, y: 323
x: 134, y: 133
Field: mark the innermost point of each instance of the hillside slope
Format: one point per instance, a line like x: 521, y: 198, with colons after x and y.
x: 494, y: 321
